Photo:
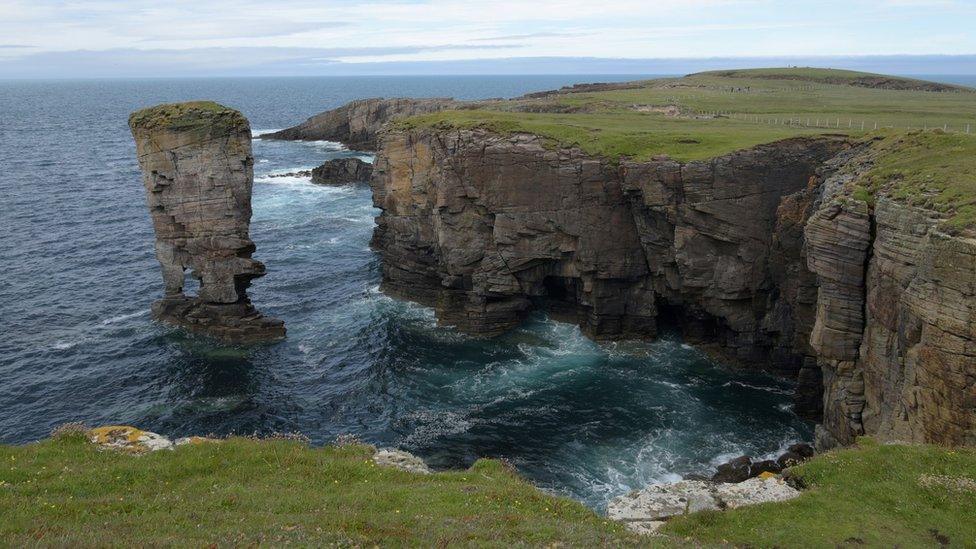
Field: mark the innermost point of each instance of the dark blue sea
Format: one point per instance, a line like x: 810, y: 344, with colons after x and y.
x: 77, y: 342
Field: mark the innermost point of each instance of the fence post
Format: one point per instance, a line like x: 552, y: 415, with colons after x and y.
x: 967, y: 128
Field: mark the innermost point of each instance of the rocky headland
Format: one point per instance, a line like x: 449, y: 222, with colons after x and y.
x: 767, y: 256
x: 198, y: 173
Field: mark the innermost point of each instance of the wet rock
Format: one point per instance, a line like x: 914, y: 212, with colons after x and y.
x: 128, y: 439
x: 197, y: 170
x: 341, y: 171
x: 789, y: 459
x: 736, y: 470
x: 399, y: 459
x: 300, y: 173
x: 754, y: 491
x: 757, y: 468
x: 801, y: 449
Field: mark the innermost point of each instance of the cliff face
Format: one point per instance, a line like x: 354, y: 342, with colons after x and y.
x: 197, y: 170
x: 356, y: 124
x: 895, y: 332
x: 756, y: 254
x: 484, y: 228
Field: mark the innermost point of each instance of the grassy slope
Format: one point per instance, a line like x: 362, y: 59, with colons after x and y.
x: 244, y: 492
x: 932, y: 169
x: 758, y: 109
x: 874, y: 495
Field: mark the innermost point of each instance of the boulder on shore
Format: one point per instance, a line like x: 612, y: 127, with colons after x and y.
x: 341, y: 171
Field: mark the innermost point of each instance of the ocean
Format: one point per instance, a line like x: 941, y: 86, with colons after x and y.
x: 588, y: 420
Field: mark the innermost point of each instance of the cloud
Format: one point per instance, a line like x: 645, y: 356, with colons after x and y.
x: 14, y: 46
x: 214, y: 61
x: 530, y: 35
x: 397, y: 31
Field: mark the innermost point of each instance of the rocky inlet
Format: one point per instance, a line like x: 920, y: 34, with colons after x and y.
x: 198, y: 173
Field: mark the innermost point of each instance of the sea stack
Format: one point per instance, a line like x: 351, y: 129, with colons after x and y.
x: 198, y: 172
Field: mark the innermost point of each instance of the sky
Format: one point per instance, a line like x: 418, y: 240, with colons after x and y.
x: 40, y: 38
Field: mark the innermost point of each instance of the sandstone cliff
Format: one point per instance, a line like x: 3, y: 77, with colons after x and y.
x: 197, y: 170
x: 759, y: 255
x: 895, y: 330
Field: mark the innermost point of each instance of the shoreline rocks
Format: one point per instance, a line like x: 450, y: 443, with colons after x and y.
x: 743, y: 468
x: 198, y: 173
x: 644, y: 511
x: 341, y: 171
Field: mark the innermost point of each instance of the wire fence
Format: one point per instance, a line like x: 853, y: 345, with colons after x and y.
x: 837, y: 122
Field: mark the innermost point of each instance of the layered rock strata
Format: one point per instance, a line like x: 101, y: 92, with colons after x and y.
x: 761, y: 255
x: 895, y: 331
x: 486, y: 227
x: 197, y: 170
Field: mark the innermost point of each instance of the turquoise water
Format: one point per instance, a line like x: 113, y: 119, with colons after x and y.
x: 585, y: 419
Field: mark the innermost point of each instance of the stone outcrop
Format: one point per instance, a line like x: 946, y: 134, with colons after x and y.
x: 647, y: 509
x: 402, y: 460
x: 197, y: 170
x: 357, y: 124
x: 128, y: 439
x: 341, y: 171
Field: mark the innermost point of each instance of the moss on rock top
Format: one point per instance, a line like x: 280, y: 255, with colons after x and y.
x: 189, y: 116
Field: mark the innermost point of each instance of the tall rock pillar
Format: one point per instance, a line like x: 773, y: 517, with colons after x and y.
x: 198, y: 172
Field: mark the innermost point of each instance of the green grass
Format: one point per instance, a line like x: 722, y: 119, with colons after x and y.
x: 65, y: 492
x: 752, y: 108
x: 189, y: 115
x: 873, y: 495
x: 935, y: 170
x: 243, y: 492
x: 638, y: 136
x: 720, y: 114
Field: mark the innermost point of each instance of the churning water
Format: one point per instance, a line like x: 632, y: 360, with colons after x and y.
x: 77, y: 342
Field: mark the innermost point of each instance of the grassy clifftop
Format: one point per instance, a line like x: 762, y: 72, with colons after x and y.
x: 67, y: 492
x: 705, y: 115
x: 702, y: 115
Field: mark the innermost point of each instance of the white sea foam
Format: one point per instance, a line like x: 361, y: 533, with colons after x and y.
x: 120, y: 318
x: 255, y: 134
x: 768, y: 389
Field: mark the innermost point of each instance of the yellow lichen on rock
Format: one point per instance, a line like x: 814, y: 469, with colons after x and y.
x: 128, y: 439
x: 767, y: 475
